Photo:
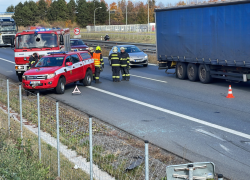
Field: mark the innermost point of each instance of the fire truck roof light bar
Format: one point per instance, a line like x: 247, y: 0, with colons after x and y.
x: 62, y: 52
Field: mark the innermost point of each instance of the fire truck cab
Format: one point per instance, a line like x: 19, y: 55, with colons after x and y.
x: 40, y: 41
x: 56, y: 70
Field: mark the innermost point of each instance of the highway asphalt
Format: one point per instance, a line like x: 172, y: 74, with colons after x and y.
x: 194, y: 120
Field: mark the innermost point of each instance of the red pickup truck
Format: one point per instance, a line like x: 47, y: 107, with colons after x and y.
x: 56, y: 70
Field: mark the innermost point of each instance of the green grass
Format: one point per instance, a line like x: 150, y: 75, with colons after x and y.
x: 19, y: 161
x: 148, y: 38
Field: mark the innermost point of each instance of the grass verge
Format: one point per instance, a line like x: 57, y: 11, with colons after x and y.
x: 20, y: 161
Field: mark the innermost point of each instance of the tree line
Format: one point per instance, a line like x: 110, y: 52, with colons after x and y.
x: 30, y: 13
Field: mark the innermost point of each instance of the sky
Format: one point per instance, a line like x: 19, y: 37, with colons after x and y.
x: 6, y: 3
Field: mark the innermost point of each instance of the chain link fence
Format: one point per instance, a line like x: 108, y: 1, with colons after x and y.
x: 74, y: 145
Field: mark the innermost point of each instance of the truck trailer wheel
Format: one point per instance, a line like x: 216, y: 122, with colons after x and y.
x: 204, y: 75
x: 192, y: 72
x: 181, y: 70
x: 60, y: 88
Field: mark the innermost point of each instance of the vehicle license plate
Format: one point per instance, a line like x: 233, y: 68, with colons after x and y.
x: 34, y: 82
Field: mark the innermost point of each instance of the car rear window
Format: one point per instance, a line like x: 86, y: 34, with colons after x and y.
x: 85, y: 56
x: 132, y: 49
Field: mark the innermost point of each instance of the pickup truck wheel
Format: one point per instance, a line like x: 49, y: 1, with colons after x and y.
x: 60, y: 88
x: 204, y: 75
x: 88, y: 78
x: 181, y: 70
x: 192, y: 72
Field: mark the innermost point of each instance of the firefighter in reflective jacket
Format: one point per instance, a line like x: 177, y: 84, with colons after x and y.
x: 115, y: 63
x: 97, y: 56
x: 124, y: 59
x: 32, y: 60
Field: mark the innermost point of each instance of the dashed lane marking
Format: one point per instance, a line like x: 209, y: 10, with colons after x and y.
x: 215, y: 126
x: 7, y: 61
x: 148, y: 78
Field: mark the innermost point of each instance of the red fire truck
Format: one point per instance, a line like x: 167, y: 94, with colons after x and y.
x: 41, y: 41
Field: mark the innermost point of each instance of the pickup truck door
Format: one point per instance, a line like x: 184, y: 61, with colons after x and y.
x: 68, y: 70
x: 77, y: 67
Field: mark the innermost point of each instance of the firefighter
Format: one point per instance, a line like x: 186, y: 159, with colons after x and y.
x: 91, y: 51
x: 33, y: 60
x: 124, y: 59
x: 97, y: 56
x: 115, y: 63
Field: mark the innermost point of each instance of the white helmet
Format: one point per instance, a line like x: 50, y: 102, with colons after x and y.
x: 115, y: 49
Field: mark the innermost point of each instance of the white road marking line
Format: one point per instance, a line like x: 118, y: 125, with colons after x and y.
x: 152, y: 64
x: 231, y: 131
x: 209, y: 134
x: 7, y: 61
x: 148, y: 78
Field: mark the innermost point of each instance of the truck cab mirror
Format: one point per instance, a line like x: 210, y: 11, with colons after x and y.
x: 69, y: 63
x: 61, y: 40
x: 12, y: 43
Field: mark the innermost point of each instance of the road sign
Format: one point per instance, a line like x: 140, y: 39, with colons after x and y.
x: 77, y: 31
x: 201, y: 171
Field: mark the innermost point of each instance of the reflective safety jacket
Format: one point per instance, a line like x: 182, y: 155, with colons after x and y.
x: 124, y: 58
x: 115, y: 59
x: 32, y: 61
x: 97, y: 61
x: 101, y: 59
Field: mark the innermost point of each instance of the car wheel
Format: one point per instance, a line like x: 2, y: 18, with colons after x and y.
x: 88, y: 78
x: 192, y: 72
x: 181, y: 70
x: 60, y: 88
x: 145, y: 65
x: 204, y: 75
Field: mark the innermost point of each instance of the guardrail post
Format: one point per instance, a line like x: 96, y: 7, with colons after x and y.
x: 39, y: 135
x: 220, y: 176
x: 90, y: 148
x: 58, y: 141
x: 21, y: 112
x: 146, y: 161
x: 190, y: 171
x: 8, y: 104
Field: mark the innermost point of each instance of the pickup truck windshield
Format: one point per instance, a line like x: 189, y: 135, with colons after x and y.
x: 36, y: 41
x: 50, y: 62
x: 132, y: 49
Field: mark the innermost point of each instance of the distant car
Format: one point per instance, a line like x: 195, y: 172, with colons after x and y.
x: 137, y: 57
x: 78, y: 44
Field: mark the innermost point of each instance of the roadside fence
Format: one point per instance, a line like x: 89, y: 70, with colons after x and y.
x: 58, y: 133
x: 138, y: 37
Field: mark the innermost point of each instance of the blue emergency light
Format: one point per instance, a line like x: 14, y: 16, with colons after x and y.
x: 48, y: 29
x: 61, y: 52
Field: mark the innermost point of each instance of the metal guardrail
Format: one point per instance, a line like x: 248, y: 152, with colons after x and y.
x: 149, y: 48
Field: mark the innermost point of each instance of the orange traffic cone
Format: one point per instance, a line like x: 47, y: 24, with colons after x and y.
x: 230, y: 93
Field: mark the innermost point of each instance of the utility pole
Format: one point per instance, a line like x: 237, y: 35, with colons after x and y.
x: 94, y: 14
x: 126, y: 15
x: 148, y: 15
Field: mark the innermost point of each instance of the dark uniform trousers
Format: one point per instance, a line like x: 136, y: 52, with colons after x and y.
x: 115, y: 63
x: 124, y: 59
x: 97, y: 73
